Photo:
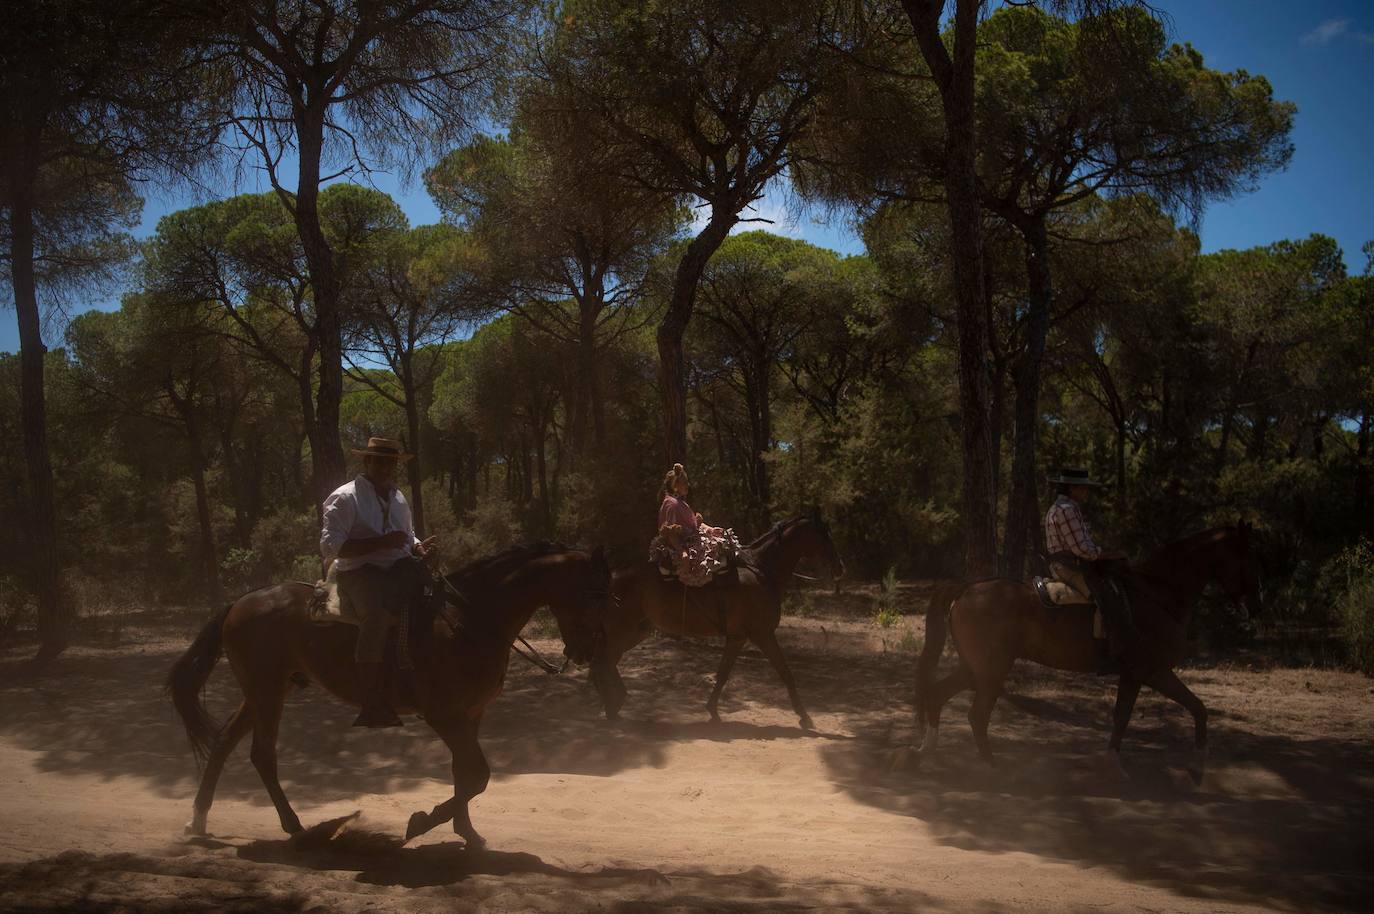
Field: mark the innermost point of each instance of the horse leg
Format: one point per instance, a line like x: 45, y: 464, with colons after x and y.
x: 234, y: 730
x: 266, y: 714
x: 471, y: 773
x: 945, y: 689
x: 1170, y: 686
x: 1126, y: 691
x: 605, y: 675
x: 980, y: 713
x: 727, y: 662
x: 767, y: 641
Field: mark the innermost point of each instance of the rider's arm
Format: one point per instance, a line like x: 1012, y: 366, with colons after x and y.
x: 337, y: 516
x: 340, y: 511
x: 365, y: 544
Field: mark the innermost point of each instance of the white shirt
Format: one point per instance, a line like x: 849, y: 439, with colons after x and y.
x: 356, y: 511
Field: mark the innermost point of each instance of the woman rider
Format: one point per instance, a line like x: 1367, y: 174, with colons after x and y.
x: 694, y: 550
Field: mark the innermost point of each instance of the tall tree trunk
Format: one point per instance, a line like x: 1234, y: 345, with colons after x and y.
x: 1021, y: 503
x: 54, y: 617
x: 1120, y: 426
x: 586, y: 356
x: 672, y: 363
x: 763, y: 438
x: 209, y: 550
x: 413, y: 469
x: 954, y: 78
x: 541, y: 467
x: 1364, y: 473
x: 328, y: 468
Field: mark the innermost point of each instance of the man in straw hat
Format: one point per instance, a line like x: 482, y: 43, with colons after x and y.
x: 1079, y: 562
x: 369, y: 538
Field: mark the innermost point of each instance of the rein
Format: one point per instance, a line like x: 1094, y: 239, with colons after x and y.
x: 533, y: 658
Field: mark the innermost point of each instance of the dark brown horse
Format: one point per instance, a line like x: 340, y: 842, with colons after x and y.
x: 996, y: 622
x: 745, y: 607
x: 459, y: 666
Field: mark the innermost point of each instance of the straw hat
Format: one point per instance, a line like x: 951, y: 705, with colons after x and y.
x: 383, y: 447
x: 1073, y: 476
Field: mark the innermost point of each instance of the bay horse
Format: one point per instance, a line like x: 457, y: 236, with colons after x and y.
x: 996, y: 622
x: 459, y: 666
x: 745, y: 608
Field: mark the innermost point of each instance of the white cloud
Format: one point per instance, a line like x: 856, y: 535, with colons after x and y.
x: 1327, y: 32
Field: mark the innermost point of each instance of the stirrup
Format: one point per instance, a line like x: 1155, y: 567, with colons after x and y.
x: 1043, y: 593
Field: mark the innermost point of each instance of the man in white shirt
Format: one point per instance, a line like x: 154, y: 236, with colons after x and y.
x: 368, y: 535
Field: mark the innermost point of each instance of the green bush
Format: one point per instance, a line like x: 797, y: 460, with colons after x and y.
x: 886, y: 612
x: 1354, y: 604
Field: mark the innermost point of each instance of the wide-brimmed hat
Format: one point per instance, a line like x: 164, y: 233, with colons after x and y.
x: 383, y: 447
x: 1073, y: 476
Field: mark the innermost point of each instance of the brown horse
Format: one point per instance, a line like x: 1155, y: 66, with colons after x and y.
x: 459, y: 667
x: 996, y: 622
x: 746, y: 607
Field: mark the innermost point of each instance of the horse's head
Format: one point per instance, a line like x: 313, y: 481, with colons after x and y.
x: 813, y: 539
x: 1238, y: 568
x: 581, y: 609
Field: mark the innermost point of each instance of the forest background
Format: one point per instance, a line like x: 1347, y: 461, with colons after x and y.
x: 588, y: 310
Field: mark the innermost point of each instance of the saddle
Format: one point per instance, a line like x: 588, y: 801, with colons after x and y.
x: 1054, y: 593
x: 325, y: 607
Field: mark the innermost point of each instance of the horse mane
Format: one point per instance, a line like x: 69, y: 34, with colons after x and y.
x: 776, y: 529
x: 500, y: 564
x: 1167, y: 552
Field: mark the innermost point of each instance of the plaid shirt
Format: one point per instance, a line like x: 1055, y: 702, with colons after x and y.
x: 1067, y: 531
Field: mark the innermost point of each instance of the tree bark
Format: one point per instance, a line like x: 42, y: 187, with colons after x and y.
x: 672, y: 371
x: 954, y: 78
x: 413, y: 469
x: 214, y: 590
x: 54, y: 616
x: 1021, y: 503
x: 328, y: 468
x: 591, y: 384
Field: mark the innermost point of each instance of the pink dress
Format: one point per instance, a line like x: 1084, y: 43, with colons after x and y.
x: 674, y: 510
x: 708, y: 549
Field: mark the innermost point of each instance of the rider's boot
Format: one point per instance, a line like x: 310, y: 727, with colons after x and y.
x: 376, y: 711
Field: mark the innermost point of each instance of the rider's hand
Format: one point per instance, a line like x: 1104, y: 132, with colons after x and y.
x: 422, y: 549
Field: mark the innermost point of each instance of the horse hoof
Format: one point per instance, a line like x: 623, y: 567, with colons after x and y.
x: 418, y: 825
x: 475, y: 842
x: 194, y: 829
x: 806, y: 723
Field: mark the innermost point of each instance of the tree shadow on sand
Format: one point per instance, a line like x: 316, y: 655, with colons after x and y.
x: 339, y: 871
x: 102, y: 711
x: 1275, y: 820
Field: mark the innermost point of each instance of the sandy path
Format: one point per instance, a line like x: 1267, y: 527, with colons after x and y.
x: 667, y: 812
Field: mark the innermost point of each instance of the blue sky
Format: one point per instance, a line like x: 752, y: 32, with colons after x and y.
x: 1319, y: 54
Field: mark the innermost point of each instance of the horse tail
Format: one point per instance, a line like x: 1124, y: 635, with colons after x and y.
x: 937, y: 631
x: 186, y: 680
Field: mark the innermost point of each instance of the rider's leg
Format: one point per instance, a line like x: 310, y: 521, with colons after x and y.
x: 1120, y: 631
x: 367, y: 590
